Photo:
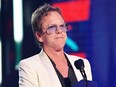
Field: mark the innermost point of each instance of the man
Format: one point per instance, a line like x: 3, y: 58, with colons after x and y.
x: 52, y: 67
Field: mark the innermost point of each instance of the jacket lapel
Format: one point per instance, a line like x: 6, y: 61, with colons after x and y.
x: 50, y: 69
x: 77, y: 72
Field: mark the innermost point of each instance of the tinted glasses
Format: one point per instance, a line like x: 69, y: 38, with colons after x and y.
x: 51, y: 29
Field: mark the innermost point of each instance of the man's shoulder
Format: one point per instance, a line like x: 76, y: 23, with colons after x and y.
x: 74, y: 57
x: 30, y: 60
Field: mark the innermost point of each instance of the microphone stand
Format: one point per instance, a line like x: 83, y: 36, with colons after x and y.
x: 80, y: 65
x: 84, y: 76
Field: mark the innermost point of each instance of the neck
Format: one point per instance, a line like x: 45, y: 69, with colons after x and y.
x: 55, y: 55
x: 59, y: 59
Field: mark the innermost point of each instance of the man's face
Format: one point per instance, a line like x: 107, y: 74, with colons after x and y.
x: 57, y: 39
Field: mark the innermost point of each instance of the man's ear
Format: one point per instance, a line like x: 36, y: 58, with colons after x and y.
x: 39, y: 36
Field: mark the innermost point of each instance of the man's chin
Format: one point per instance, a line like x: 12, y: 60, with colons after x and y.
x: 58, y: 49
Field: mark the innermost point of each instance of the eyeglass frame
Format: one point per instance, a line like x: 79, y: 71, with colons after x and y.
x: 62, y: 26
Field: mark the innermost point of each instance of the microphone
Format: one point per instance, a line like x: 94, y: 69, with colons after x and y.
x: 79, y: 64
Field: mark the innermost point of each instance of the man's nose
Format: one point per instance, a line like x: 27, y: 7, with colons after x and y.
x: 58, y: 30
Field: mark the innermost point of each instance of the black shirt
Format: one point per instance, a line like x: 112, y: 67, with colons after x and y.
x: 70, y: 80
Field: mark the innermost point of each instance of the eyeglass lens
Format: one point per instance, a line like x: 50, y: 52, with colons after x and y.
x: 53, y: 28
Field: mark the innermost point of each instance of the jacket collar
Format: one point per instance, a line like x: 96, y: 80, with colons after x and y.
x: 50, y: 69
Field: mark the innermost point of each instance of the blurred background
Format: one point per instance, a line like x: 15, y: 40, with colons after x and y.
x: 92, y: 35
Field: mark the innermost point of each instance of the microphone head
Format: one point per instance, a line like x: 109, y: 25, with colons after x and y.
x: 79, y: 64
